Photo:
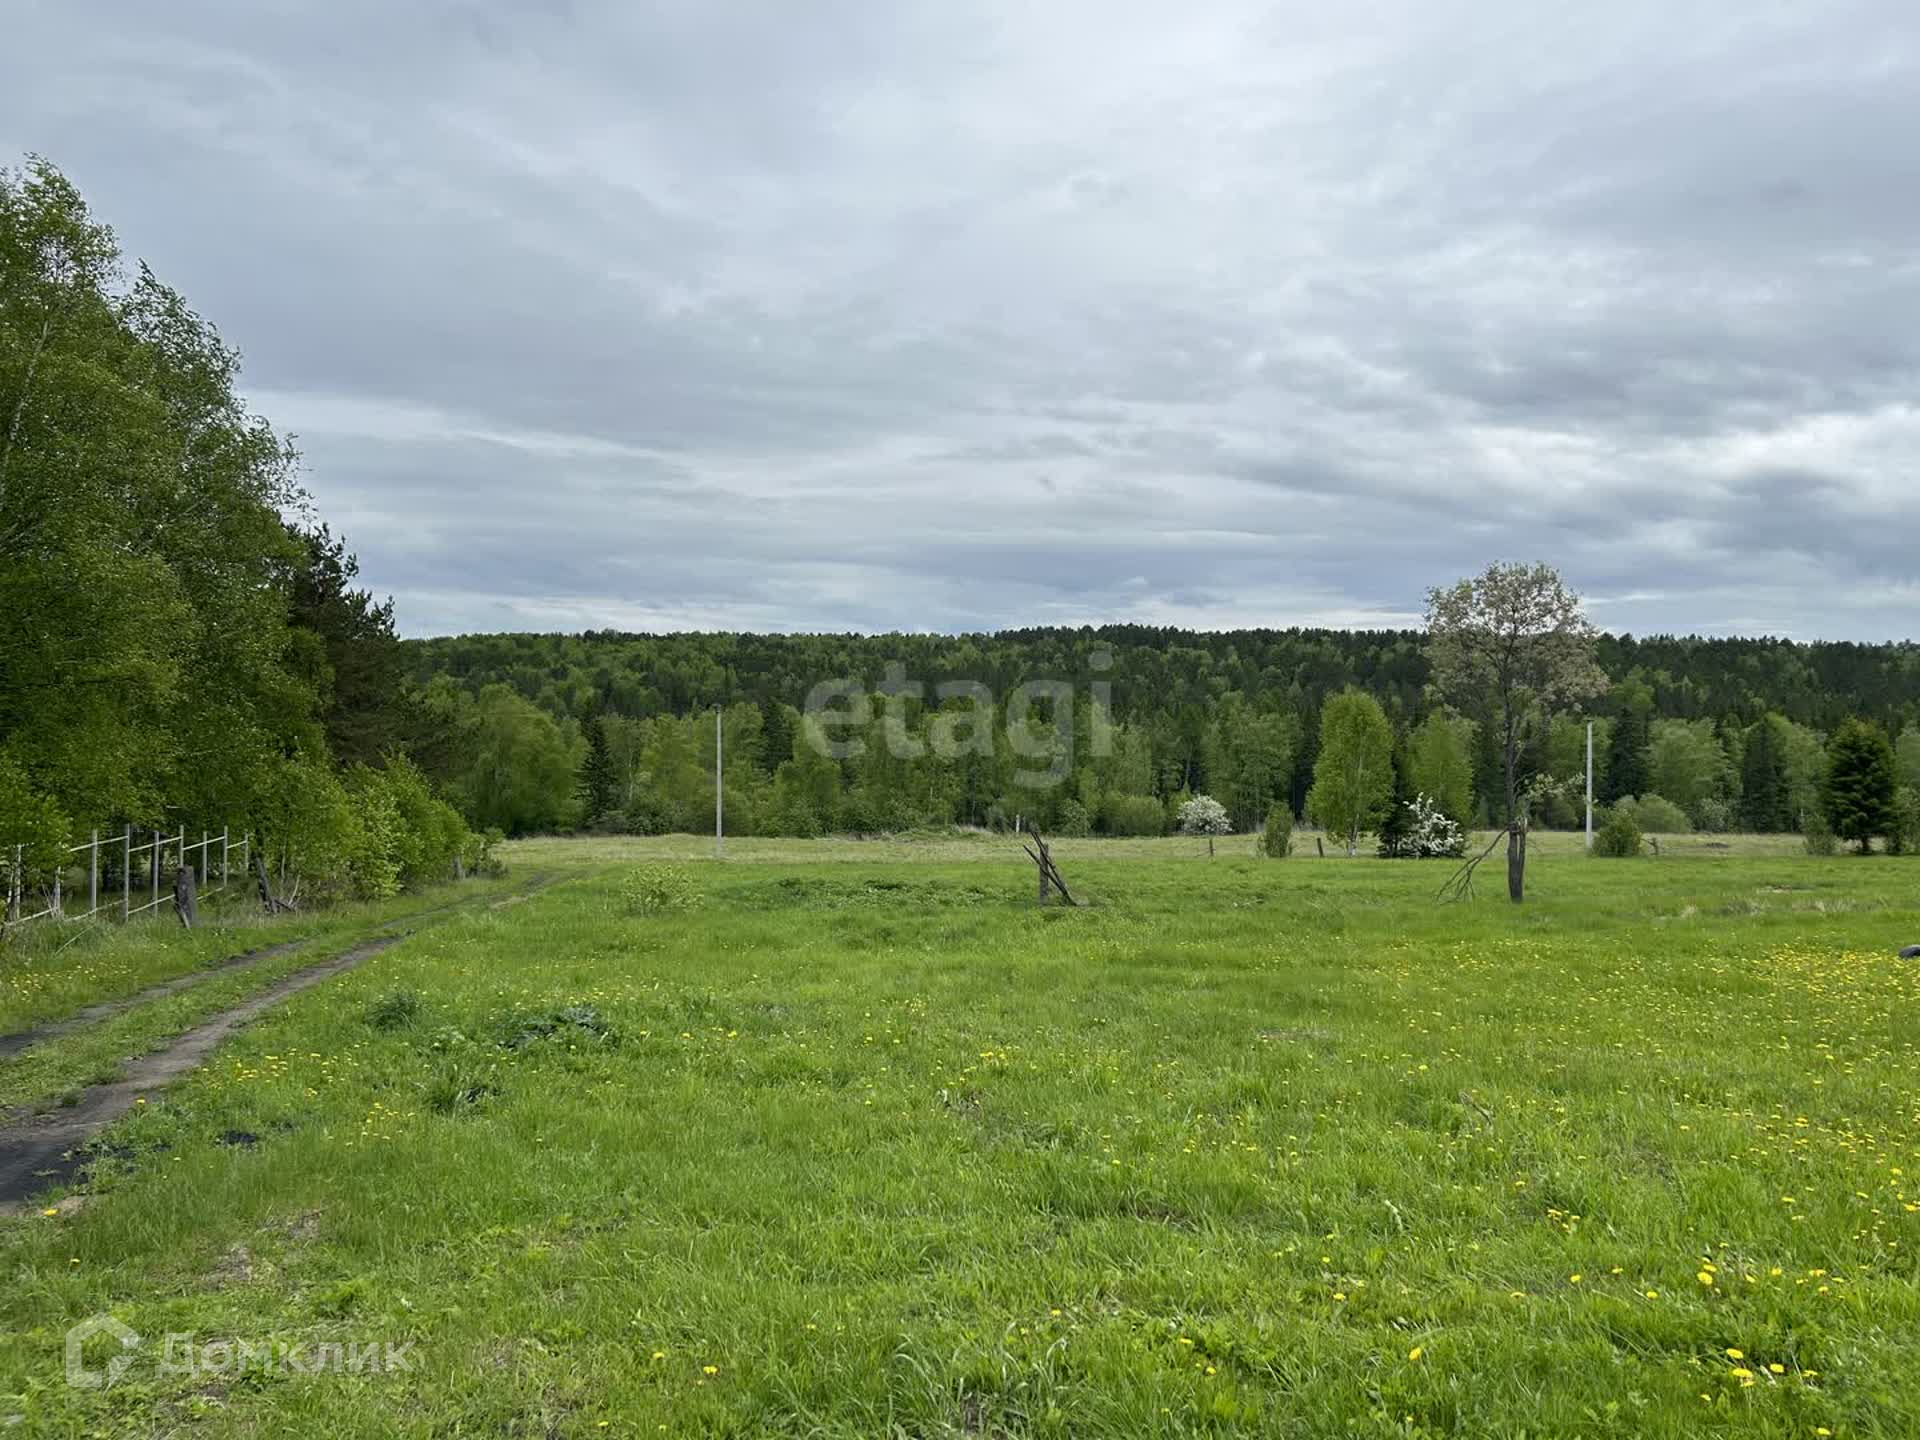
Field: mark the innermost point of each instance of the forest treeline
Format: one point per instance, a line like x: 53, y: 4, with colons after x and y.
x: 1715, y: 734
x: 183, y: 644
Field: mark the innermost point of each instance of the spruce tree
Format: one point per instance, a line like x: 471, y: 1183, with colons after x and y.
x: 1860, y: 783
x: 1763, y: 780
x: 599, y: 786
x: 1396, y: 829
x: 1627, y: 755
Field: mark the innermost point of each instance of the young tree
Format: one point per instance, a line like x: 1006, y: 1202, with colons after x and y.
x: 1440, y: 763
x: 1204, y: 815
x: 1353, y: 778
x: 1511, y: 644
x: 1860, y: 783
x: 1396, y: 826
x: 1686, y: 763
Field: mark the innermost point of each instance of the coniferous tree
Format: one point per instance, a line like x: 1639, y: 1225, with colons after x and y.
x: 1626, y: 770
x: 1396, y: 826
x: 1763, y: 780
x: 1860, y: 783
x: 599, y: 780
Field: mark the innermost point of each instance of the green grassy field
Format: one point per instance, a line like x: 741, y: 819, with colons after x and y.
x: 864, y: 1144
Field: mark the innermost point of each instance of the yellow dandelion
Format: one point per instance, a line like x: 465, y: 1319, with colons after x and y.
x: 1736, y: 1354
x: 1415, y: 1353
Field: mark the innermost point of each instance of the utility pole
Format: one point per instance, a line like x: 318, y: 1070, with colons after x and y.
x: 719, y: 791
x: 1589, y: 785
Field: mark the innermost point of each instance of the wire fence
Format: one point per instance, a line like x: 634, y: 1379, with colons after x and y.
x: 138, y: 874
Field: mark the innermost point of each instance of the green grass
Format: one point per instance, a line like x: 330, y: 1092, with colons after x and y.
x: 48, y: 970
x: 870, y: 1146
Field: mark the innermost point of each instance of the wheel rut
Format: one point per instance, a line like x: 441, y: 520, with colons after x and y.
x: 37, y: 1151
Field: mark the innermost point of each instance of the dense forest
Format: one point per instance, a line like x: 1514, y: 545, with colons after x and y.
x: 1708, y: 733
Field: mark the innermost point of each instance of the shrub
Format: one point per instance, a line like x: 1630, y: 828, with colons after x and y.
x: 1657, y: 816
x: 1714, y: 815
x: 1133, y: 815
x: 1619, y: 834
x: 1276, y: 838
x: 1818, y: 835
x: 477, y: 852
x: 1073, y: 820
x: 659, y: 890
x: 1903, y: 833
x: 374, y: 836
x: 1432, y: 833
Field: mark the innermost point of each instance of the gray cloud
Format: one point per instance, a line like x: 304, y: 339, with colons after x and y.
x: 930, y: 316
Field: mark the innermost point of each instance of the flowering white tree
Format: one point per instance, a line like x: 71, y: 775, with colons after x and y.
x: 1204, y: 815
x: 1432, y: 832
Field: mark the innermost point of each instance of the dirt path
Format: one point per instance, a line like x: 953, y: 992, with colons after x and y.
x: 38, y: 1151
x: 106, y: 1009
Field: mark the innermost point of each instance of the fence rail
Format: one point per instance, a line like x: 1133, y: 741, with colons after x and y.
x: 216, y: 855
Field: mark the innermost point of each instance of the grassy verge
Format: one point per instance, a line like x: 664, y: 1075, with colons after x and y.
x: 1242, y: 1148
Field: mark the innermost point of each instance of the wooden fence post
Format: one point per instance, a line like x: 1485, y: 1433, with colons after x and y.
x: 93, y: 872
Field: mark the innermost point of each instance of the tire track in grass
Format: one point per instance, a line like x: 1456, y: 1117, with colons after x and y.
x: 106, y: 1009
x: 11, y: 1045
x: 41, y: 1150
x: 38, y: 1152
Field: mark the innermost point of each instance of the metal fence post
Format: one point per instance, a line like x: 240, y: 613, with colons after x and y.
x: 223, y: 858
x: 13, y: 885
x: 153, y: 868
x: 126, y: 874
x: 59, y: 912
x: 93, y: 872
x: 203, y: 859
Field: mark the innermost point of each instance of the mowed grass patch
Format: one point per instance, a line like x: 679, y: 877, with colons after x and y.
x: 860, y: 1149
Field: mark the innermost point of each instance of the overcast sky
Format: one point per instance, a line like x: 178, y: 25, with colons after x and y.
x: 959, y: 314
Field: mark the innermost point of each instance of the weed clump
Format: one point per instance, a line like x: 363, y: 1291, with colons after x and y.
x: 659, y: 890
x: 574, y: 1022
x: 395, y: 1010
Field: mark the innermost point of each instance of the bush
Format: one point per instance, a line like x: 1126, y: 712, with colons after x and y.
x: 1657, y: 816
x: 1619, y: 834
x: 1276, y: 837
x: 1818, y: 835
x: 659, y: 890
x: 1133, y: 815
x: 1073, y: 820
x: 477, y: 852
x: 1714, y: 815
x: 1903, y: 834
